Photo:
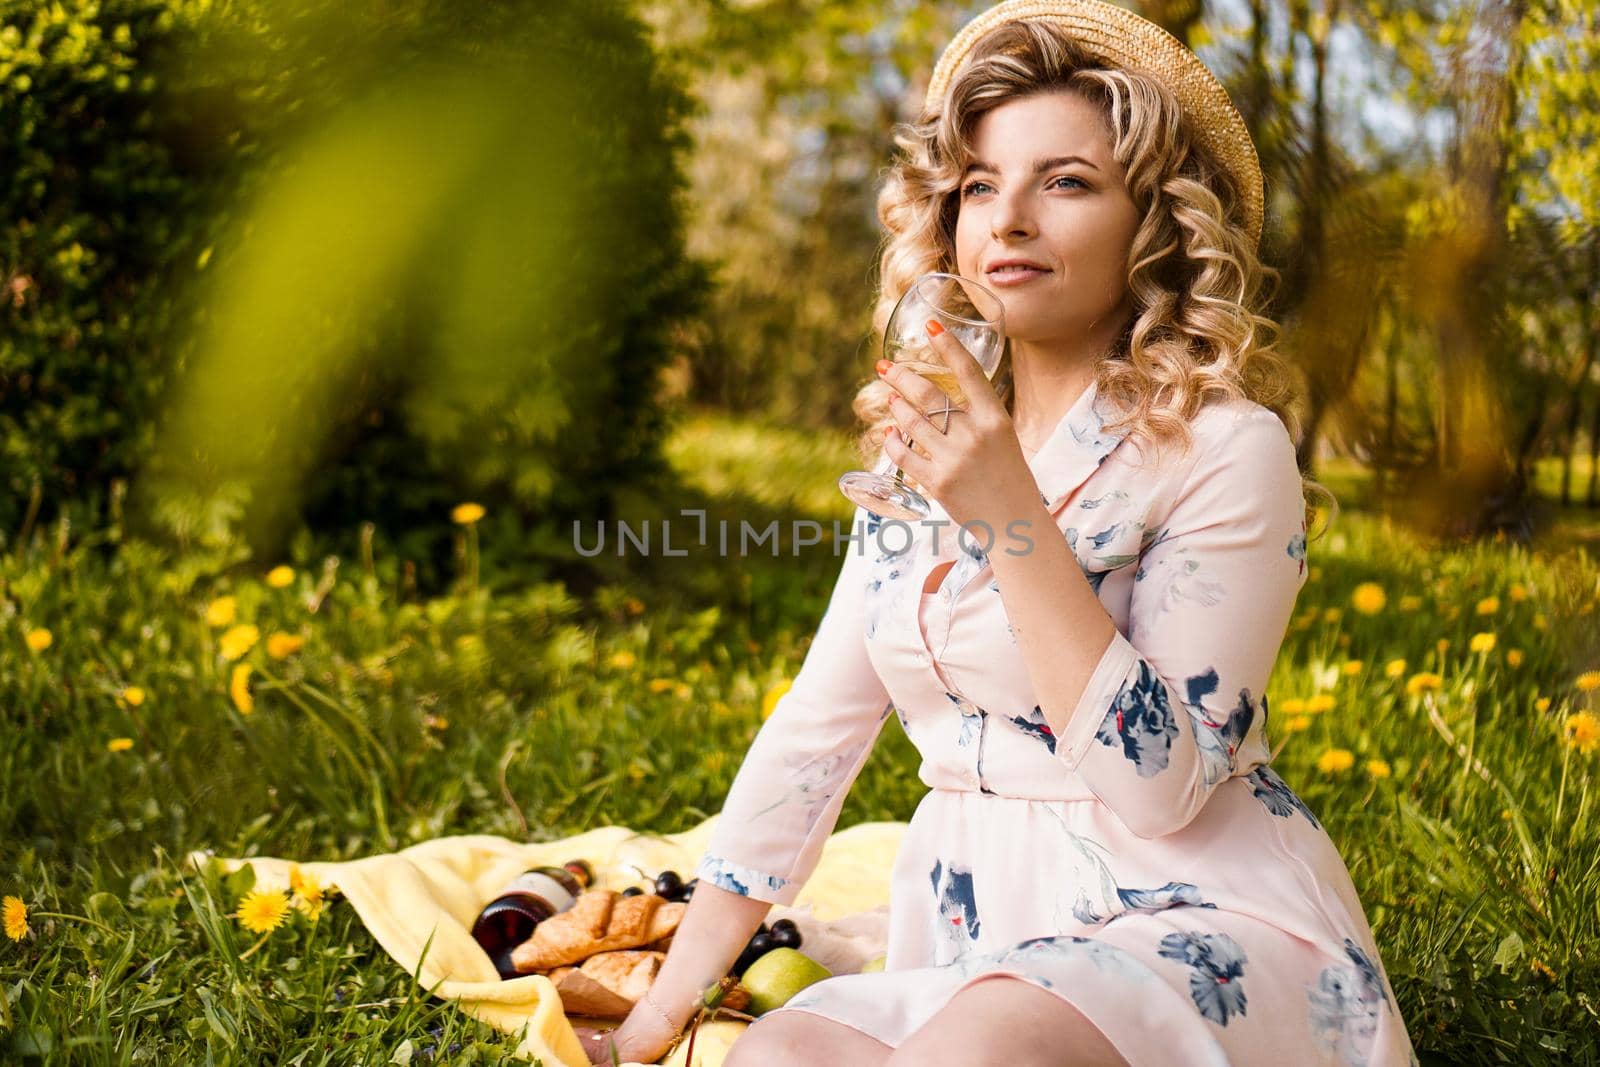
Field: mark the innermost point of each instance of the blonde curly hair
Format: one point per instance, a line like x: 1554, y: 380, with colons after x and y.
x: 1193, y: 276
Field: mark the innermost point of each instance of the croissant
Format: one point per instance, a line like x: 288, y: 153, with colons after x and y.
x: 601, y: 920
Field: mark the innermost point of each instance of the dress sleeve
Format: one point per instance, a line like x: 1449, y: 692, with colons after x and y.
x: 785, y: 798
x: 1177, y: 704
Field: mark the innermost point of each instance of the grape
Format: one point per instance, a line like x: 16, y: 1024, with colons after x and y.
x: 787, y: 938
x: 668, y: 883
x: 784, y: 924
x: 633, y: 891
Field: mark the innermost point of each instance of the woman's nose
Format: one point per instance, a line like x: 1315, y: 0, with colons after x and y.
x: 1012, y: 216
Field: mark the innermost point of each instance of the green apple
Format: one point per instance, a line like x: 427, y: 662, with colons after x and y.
x: 875, y: 963
x: 779, y: 975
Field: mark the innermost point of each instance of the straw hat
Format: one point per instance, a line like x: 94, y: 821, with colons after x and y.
x: 1121, y: 38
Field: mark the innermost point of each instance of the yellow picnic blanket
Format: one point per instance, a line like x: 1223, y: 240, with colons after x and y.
x: 438, y: 887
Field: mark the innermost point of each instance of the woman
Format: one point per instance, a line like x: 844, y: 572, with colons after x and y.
x: 1105, y: 869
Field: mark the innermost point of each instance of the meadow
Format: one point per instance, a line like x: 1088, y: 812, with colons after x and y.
x: 1435, y: 706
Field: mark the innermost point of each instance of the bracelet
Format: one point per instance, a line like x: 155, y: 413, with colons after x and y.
x: 677, y: 1031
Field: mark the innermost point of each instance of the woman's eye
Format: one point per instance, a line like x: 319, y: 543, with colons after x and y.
x: 1078, y: 183
x: 967, y: 189
x: 1068, y: 178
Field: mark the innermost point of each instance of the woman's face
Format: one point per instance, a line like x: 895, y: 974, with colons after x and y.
x: 1073, y: 217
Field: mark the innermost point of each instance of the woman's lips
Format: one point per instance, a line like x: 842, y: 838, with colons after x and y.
x: 1014, y: 277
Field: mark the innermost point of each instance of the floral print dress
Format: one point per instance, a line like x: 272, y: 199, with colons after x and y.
x: 1147, y: 865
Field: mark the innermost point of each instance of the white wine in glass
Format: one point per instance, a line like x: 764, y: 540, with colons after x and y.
x: 972, y: 314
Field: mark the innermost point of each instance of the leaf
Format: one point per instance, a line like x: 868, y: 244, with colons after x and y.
x: 1508, y: 957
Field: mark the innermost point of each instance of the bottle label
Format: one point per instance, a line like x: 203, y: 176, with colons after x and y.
x: 544, y: 886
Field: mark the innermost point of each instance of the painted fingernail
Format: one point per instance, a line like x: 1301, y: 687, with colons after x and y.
x: 934, y: 329
x: 883, y: 366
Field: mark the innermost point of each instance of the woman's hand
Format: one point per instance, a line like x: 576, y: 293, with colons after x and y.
x: 975, y: 469
x: 643, y: 1037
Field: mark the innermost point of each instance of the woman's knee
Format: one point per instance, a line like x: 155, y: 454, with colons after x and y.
x: 782, y: 1038
x: 1006, y: 1020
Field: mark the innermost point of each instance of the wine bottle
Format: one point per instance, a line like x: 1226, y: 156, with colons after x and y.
x: 530, y: 898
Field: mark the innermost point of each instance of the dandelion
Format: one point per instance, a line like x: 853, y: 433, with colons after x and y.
x: 307, y: 892
x: 1582, y: 731
x: 634, y: 605
x: 682, y: 691
x: 1335, y: 760
x: 239, y: 689
x: 1442, y: 645
x: 1513, y: 657
x: 1518, y: 593
x: 281, y: 645
x: 661, y: 685
x: 16, y: 918
x: 1352, y: 668
x: 1332, y: 615
x: 1422, y: 682
x: 1488, y: 605
x: 119, y: 744
x: 1368, y: 598
x: 1378, y: 768
x: 1541, y: 705
x: 769, y: 702
x: 238, y: 640
x: 1588, y: 681
x: 1394, y: 668
x: 1483, y: 642
x: 1320, y: 703
x: 281, y: 576
x: 38, y: 640
x: 1541, y: 967
x: 132, y: 696
x: 1295, y: 723
x: 262, y: 912
x: 219, y: 612
x: 466, y: 514
x: 1292, y: 706
x: 621, y: 660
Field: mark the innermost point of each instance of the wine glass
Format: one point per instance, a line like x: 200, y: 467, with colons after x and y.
x: 974, y: 315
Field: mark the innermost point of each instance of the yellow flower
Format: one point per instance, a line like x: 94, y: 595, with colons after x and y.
x: 1332, y: 615
x: 769, y: 702
x: 1483, y: 642
x: 1378, y: 768
x: 1513, y: 657
x: 1442, y: 645
x: 1588, y: 681
x: 1320, y: 703
x: 280, y: 576
x: 1335, y: 760
x: 635, y: 606
x: 16, y: 918
x: 307, y: 891
x: 435, y: 722
x: 1296, y: 723
x: 1542, y: 967
x: 661, y: 685
x: 682, y: 691
x: 1292, y: 706
x: 1582, y: 731
x: 1394, y: 668
x: 1314, y: 574
x: 621, y: 660
x: 1540, y: 622
x: 281, y: 645
x: 133, y: 696
x: 466, y: 514
x: 239, y: 689
x: 1368, y: 598
x: 1422, y: 682
x: 1488, y: 605
x: 262, y: 912
x: 119, y: 744
x: 1409, y: 603
x: 220, y: 611
x: 238, y: 640
x: 1518, y: 592
x: 39, y: 639
x: 1541, y: 705
x: 1352, y: 668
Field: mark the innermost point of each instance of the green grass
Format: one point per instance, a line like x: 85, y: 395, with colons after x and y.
x: 398, y: 721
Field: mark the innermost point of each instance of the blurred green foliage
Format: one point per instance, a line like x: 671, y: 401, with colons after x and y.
x: 300, y: 259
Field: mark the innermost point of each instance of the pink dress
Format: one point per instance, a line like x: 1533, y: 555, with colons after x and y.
x: 1148, y: 865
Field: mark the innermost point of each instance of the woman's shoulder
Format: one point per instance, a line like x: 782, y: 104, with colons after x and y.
x: 1233, y: 430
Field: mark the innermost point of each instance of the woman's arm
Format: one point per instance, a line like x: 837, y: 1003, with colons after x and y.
x: 1154, y: 720
x: 786, y: 797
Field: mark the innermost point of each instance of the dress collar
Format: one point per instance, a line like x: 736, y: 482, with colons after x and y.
x: 1075, y: 449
